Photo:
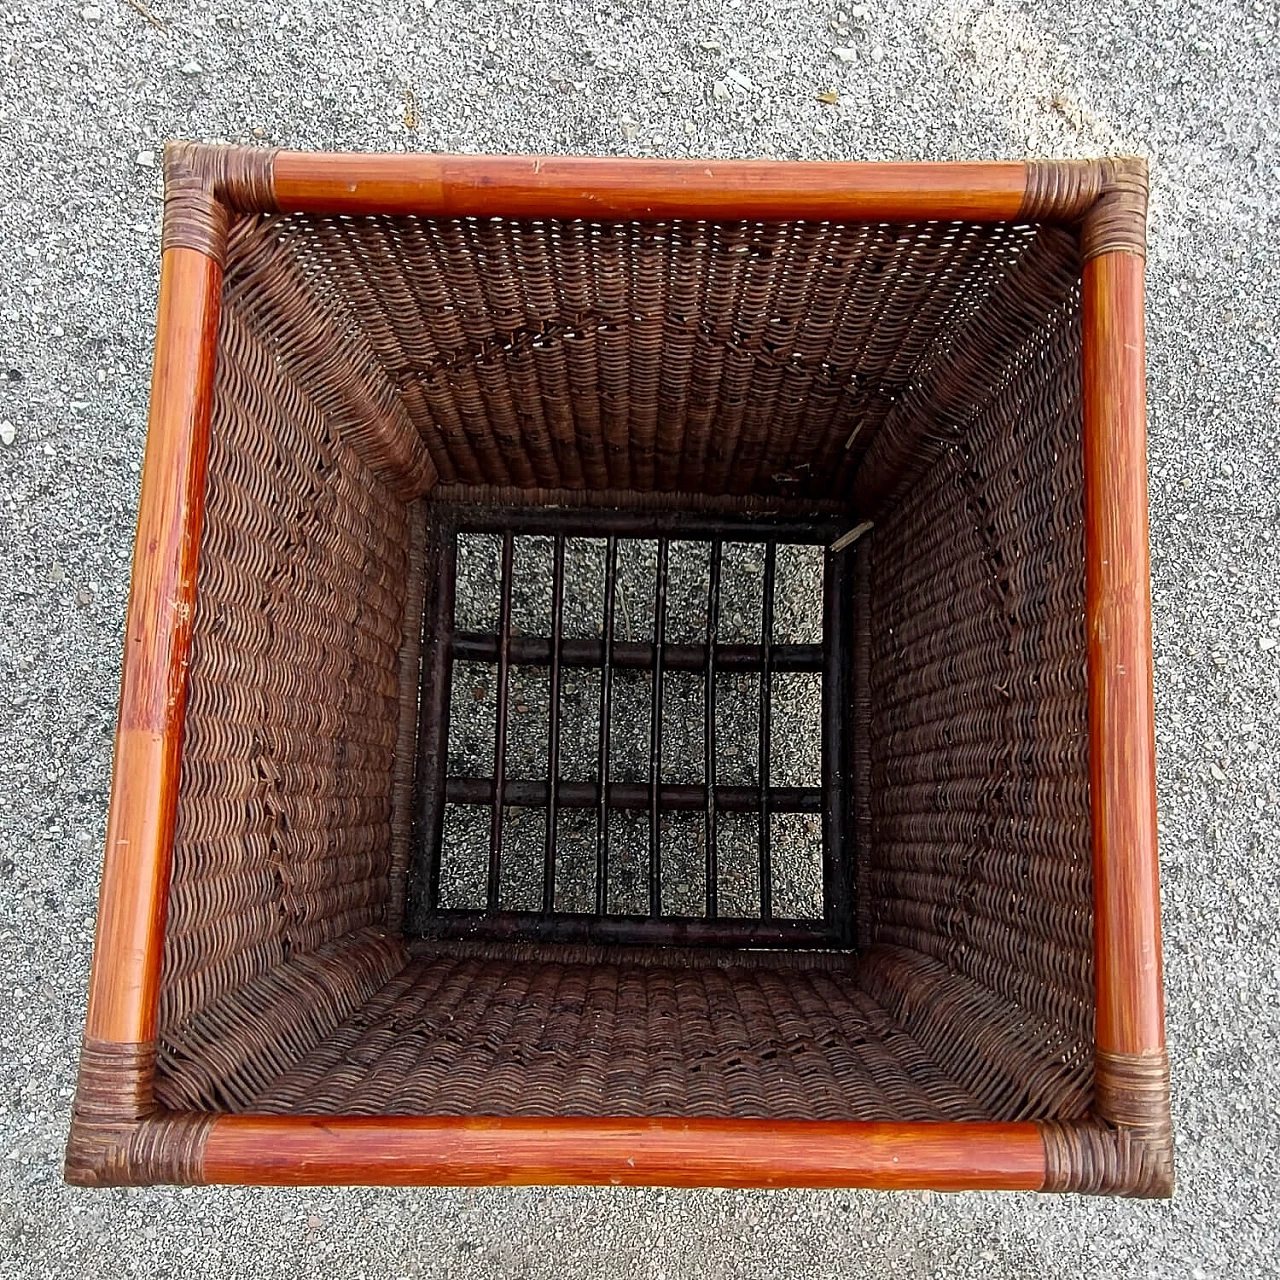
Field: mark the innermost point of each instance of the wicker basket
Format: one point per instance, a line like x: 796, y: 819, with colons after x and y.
x: 928, y: 379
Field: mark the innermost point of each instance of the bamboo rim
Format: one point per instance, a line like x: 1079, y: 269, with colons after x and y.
x: 124, y: 987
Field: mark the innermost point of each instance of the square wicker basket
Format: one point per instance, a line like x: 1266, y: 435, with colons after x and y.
x: 926, y: 378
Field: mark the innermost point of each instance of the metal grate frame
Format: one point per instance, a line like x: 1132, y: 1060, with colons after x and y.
x: 443, y: 645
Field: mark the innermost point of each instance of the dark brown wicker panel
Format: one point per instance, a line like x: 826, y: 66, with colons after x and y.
x: 708, y: 357
x: 978, y: 849
x: 284, y: 822
x: 923, y: 376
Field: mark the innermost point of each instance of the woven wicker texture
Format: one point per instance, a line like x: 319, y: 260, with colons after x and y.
x: 359, y: 359
x: 283, y: 825
x: 979, y: 848
x: 669, y: 1034
x: 455, y: 1035
x: 220, y: 1057
x: 711, y: 357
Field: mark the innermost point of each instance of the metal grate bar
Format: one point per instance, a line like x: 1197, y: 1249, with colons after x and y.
x: 653, y: 522
x: 709, y: 739
x: 837, y: 871
x: 606, y: 699
x: 655, y: 734
x: 553, y: 741
x: 433, y: 702
x: 766, y: 706
x: 500, y: 736
x: 636, y: 796
x: 535, y: 651
x: 677, y: 931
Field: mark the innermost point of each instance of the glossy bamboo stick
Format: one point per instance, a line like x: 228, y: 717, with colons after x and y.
x: 391, y: 1150
x: 124, y: 986
x: 1130, y: 1001
x: 589, y: 187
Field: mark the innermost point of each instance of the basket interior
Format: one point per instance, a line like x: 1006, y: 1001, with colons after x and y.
x: 609, y: 773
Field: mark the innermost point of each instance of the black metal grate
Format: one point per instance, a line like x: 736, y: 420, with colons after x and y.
x: 441, y: 790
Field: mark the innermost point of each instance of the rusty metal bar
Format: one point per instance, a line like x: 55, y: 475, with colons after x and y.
x: 653, y: 522
x: 837, y: 855
x: 709, y: 736
x: 433, y: 721
x: 553, y: 741
x: 533, y: 926
x: 500, y: 736
x: 636, y: 796
x: 655, y: 732
x: 766, y: 728
x: 606, y: 698
x: 535, y: 651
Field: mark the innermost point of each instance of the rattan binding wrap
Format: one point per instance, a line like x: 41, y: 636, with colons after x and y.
x: 1117, y: 221
x: 1129, y: 1147
x: 118, y: 1134
x: 204, y: 187
x: 1062, y: 190
x: 1108, y: 198
x: 1132, y: 1093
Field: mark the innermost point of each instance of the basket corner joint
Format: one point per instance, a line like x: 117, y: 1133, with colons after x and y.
x: 1116, y: 222
x: 205, y: 184
x: 119, y: 1134
x: 1125, y: 1145
x: 1105, y: 198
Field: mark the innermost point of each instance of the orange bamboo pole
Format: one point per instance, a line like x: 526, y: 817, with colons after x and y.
x: 397, y: 1151
x: 586, y: 187
x: 124, y: 985
x: 1130, y: 998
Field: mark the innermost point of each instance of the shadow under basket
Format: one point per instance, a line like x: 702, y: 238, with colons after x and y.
x: 637, y: 672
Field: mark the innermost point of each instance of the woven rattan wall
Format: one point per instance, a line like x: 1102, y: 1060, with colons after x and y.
x: 703, y: 357
x: 284, y: 840
x: 975, y: 837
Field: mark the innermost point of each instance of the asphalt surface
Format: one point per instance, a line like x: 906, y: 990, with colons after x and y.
x: 87, y: 96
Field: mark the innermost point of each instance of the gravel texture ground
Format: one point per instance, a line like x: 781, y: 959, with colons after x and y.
x: 89, y: 92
